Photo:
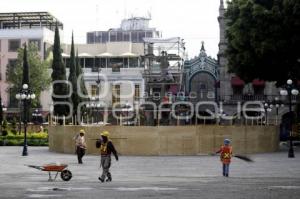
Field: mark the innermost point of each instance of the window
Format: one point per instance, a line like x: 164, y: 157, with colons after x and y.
x: 136, y: 92
x: 115, y: 67
x: 126, y: 36
x: 119, y: 36
x: 149, y: 34
x: 13, y: 102
x: 113, y: 36
x: 133, y: 62
x: 35, y: 42
x: 89, y: 62
x: 116, y: 94
x: 141, y: 36
x: 94, y: 89
x: 134, y: 37
x: 90, y: 37
x: 98, y: 37
x: 116, y: 64
x: 14, y: 45
x: 104, y: 37
x: 11, y: 65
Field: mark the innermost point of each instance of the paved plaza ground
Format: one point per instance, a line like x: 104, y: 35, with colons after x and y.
x: 272, y: 175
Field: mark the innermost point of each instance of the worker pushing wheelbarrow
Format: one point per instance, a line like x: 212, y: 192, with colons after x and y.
x: 65, y: 174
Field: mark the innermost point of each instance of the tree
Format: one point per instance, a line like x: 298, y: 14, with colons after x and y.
x: 263, y: 39
x: 38, y: 73
x: 73, y: 80
x: 83, y: 89
x: 59, y: 74
x: 79, y: 74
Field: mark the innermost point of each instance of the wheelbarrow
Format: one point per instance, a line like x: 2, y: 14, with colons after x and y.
x: 65, y: 174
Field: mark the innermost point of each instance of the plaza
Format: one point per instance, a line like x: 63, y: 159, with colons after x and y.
x: 271, y: 175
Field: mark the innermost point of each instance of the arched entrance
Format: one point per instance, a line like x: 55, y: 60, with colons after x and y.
x: 202, y: 77
x: 203, y: 85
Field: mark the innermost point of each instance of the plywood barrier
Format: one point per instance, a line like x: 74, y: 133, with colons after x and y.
x: 169, y: 140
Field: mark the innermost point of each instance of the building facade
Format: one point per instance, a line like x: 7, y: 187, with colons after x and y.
x: 15, y: 30
x: 113, y: 62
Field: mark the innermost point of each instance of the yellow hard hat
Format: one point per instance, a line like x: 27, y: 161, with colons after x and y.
x: 82, y: 131
x: 105, y: 133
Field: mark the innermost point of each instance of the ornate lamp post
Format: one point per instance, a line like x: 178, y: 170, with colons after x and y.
x: 290, y: 91
x: 25, y: 95
x: 92, y: 105
x: 277, y: 103
x: 127, y: 105
x: 268, y: 108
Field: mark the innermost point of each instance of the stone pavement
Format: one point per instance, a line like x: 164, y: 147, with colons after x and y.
x: 272, y: 175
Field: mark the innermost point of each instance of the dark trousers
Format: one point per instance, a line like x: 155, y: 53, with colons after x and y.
x: 105, y: 164
x: 80, y: 153
x: 226, y: 170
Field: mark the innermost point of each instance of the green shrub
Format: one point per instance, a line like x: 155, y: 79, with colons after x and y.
x: 14, y: 143
x: 4, y: 124
x: 14, y: 131
x: 4, y: 132
x: 33, y: 139
x: 14, y: 126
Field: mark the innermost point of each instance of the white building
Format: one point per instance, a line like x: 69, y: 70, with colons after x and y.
x: 116, y: 58
x: 17, y: 29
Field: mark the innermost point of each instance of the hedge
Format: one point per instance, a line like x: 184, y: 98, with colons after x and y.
x: 33, y: 139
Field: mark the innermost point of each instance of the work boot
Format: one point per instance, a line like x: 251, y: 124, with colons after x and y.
x: 102, y: 180
x: 109, y: 179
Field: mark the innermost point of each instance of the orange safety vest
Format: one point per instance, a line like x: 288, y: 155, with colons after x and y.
x: 103, y: 148
x: 226, y: 153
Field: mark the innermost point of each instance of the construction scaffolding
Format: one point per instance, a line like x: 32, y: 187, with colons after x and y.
x: 163, y: 68
x: 17, y: 20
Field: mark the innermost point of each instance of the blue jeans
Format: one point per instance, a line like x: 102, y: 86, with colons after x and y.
x: 225, y: 170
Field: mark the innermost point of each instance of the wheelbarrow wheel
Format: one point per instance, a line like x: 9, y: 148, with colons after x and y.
x: 66, y: 175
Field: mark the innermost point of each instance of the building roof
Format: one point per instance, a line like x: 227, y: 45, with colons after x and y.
x: 28, y: 20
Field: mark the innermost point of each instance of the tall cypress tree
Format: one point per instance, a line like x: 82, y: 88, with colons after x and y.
x: 73, y: 79
x: 59, y: 73
x: 82, y: 87
x: 79, y: 73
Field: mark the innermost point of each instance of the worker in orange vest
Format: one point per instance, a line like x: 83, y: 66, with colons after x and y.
x: 226, y: 154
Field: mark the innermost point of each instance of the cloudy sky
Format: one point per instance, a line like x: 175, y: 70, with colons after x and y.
x: 192, y: 20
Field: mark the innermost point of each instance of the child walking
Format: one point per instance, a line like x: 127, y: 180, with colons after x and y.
x: 226, y: 154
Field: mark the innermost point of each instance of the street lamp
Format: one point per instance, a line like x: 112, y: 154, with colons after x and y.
x: 91, y: 105
x: 127, y: 105
x: 277, y: 103
x: 25, y: 95
x: 290, y: 91
x: 268, y: 108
